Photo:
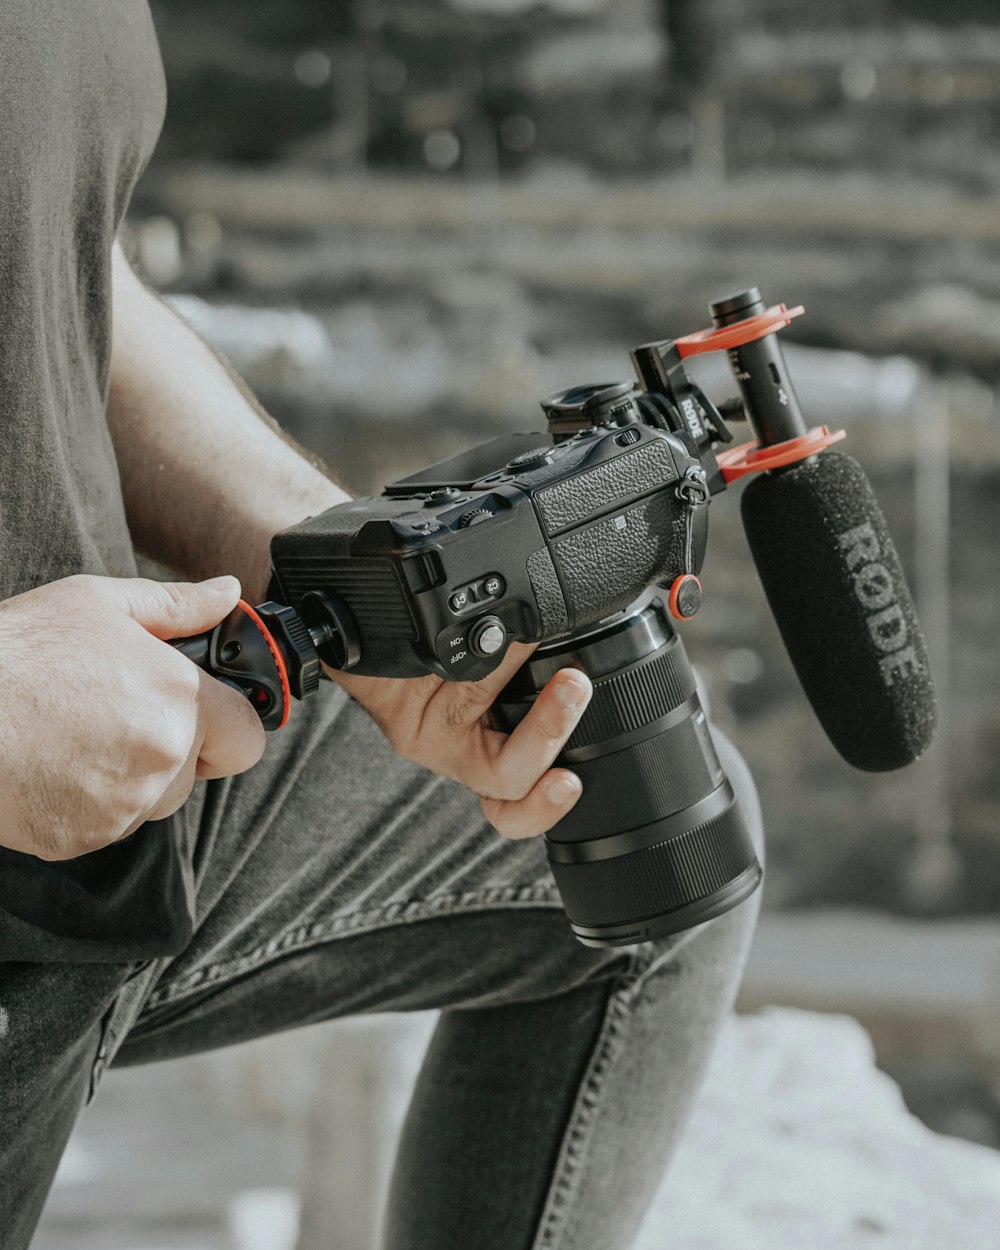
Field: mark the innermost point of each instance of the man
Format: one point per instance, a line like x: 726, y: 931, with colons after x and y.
x: 167, y: 883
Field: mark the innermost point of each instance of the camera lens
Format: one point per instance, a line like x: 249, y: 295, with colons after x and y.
x: 657, y: 843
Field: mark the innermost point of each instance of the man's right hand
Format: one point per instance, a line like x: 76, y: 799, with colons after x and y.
x: 103, y: 726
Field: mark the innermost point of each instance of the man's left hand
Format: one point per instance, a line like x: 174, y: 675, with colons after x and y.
x: 444, y: 725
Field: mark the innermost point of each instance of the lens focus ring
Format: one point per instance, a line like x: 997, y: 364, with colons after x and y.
x: 657, y: 842
x: 626, y: 700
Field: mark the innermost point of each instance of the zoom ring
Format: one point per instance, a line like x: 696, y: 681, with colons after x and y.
x: 627, y: 700
x: 658, y: 878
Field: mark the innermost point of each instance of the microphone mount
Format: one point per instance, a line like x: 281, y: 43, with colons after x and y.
x: 746, y: 330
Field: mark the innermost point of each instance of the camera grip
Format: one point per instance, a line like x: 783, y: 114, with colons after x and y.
x: 548, y: 593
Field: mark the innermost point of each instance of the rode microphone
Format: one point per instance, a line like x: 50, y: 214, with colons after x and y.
x: 828, y: 566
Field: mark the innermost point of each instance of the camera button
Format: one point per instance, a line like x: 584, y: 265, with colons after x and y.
x: 445, y: 494
x: 628, y: 437
x: 685, y: 596
x: 494, y: 586
x: 487, y: 636
x: 459, y: 601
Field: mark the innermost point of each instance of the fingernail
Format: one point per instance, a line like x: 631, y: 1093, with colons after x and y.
x: 224, y: 585
x: 563, y: 788
x: 572, y: 694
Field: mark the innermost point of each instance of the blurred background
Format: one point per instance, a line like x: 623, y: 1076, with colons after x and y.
x: 405, y: 221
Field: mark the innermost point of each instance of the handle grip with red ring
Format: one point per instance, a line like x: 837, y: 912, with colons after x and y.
x: 273, y: 653
x: 243, y: 652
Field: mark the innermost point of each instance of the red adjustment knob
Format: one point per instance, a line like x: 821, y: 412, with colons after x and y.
x: 685, y: 597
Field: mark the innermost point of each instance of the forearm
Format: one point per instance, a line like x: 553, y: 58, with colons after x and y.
x: 207, y: 477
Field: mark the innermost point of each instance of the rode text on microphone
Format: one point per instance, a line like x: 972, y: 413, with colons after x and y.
x: 588, y: 539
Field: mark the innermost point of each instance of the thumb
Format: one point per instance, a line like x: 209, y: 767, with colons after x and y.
x: 179, y: 609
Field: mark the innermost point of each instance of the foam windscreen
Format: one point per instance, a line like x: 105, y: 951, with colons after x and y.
x: 836, y: 587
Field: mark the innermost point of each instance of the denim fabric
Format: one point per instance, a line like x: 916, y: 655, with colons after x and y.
x: 336, y: 878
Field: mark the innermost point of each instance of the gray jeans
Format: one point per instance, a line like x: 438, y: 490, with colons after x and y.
x: 336, y: 878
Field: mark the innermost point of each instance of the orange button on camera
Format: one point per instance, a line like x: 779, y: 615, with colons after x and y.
x: 685, y: 597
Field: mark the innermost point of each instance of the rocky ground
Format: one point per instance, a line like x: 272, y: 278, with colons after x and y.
x: 799, y: 1142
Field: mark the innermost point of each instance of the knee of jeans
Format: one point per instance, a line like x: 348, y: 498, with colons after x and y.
x: 555, y: 962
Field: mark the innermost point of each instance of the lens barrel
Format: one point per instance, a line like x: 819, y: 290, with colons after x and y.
x: 657, y: 842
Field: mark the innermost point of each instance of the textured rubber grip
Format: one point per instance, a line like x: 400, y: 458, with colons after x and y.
x: 575, y: 500
x: 626, y: 700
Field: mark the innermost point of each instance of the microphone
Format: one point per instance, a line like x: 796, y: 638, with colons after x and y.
x: 829, y: 569
x: 835, y: 585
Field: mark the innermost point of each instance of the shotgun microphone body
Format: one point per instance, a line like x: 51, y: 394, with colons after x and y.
x: 831, y: 573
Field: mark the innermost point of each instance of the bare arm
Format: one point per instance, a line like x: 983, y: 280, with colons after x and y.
x: 207, y: 476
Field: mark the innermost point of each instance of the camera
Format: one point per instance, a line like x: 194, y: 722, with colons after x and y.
x: 586, y: 539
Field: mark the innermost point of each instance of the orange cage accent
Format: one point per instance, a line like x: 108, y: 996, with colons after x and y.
x: 722, y: 338
x: 750, y: 457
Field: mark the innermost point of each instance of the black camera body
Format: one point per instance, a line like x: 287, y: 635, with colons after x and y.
x: 584, y: 539
x: 529, y: 537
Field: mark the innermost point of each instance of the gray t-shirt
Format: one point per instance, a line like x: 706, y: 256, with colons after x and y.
x: 82, y: 96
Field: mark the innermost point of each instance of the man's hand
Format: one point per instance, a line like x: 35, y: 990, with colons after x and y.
x: 103, y: 726
x: 444, y: 726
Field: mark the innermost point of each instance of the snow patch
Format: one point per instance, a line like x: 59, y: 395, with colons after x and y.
x: 799, y: 1140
